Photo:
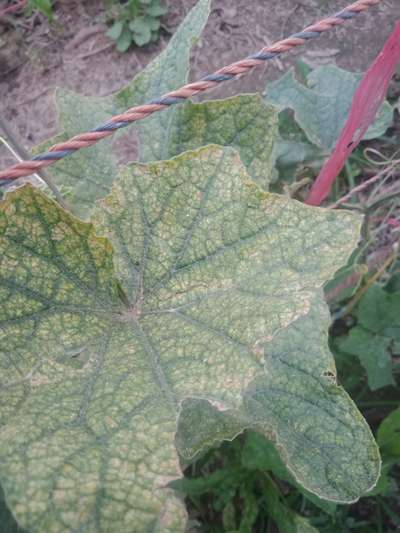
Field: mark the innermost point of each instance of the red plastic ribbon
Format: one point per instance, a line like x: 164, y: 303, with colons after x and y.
x: 367, y: 100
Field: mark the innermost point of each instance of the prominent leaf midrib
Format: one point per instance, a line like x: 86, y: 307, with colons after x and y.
x: 171, y: 113
x: 156, y: 365
x: 170, y: 116
x: 147, y: 240
x: 162, y: 283
x: 318, y: 380
x: 321, y: 452
x: 89, y: 389
x: 239, y: 131
x: 50, y: 310
x: 216, y: 294
x: 124, y: 251
x: 190, y: 231
x: 13, y: 286
x: 208, y: 327
x: 60, y: 264
x: 197, y: 299
x: 315, y: 405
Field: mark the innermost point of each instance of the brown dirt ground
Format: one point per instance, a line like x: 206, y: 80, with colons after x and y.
x: 73, y: 52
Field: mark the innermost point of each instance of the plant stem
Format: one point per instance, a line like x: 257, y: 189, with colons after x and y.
x: 370, y: 282
x: 383, y: 173
x: 350, y: 175
x: 379, y: 403
x: 379, y: 517
x: 389, y: 511
x: 395, y: 193
x: 20, y: 153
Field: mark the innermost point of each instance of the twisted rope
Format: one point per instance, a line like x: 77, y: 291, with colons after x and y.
x: 230, y: 72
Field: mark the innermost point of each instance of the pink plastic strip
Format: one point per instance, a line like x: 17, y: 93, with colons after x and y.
x: 366, y: 103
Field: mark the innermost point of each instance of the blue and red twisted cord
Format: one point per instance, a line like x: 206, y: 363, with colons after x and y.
x: 84, y: 140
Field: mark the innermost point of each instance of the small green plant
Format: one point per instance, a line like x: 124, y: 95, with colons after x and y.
x: 44, y: 6
x: 138, y: 22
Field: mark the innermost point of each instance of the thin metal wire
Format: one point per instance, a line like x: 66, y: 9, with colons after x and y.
x: 230, y: 72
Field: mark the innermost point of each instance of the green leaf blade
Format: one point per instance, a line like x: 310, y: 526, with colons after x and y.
x: 242, y: 122
x: 92, y: 387
x: 167, y: 72
x: 374, y: 355
x: 375, y: 335
x: 388, y: 435
x: 299, y: 387
x: 321, y: 107
x: 89, y: 173
x: 115, y: 31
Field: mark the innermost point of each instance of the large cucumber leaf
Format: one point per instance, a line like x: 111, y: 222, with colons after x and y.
x: 201, y: 299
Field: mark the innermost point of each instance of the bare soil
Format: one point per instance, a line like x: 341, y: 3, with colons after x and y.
x: 73, y: 52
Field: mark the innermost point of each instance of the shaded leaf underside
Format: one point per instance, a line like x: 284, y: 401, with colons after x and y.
x: 216, y: 277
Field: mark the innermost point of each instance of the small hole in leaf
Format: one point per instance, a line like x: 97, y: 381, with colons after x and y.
x: 330, y: 375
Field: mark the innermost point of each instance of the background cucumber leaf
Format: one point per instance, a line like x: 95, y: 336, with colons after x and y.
x: 376, y: 337
x: 244, y: 122
x: 90, y: 172
x: 322, y: 105
x: 313, y: 113
x: 388, y: 436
